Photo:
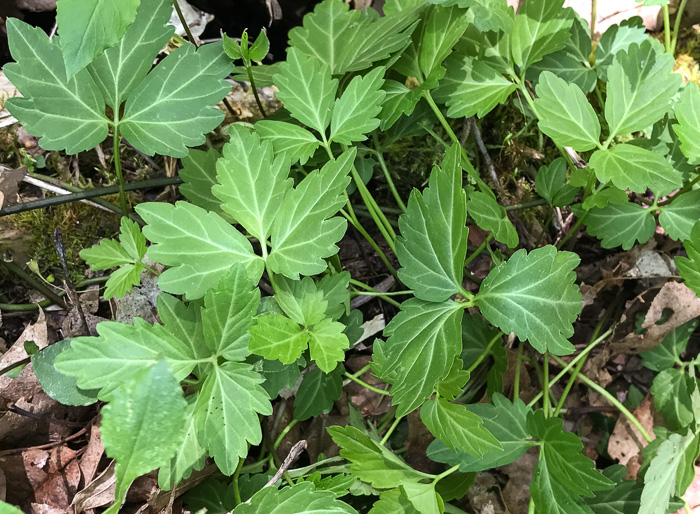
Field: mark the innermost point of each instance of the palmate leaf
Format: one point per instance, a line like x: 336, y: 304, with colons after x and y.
x: 326, y: 344
x: 294, y: 143
x: 317, y: 393
x: 370, y: 461
x: 121, y: 68
x: 198, y: 245
x: 565, y: 114
x: 443, y: 28
x: 687, y: 112
x: 640, y: 85
x: 354, y: 113
x: 634, y: 168
x: 306, y: 89
x: 143, y: 425
x: 227, y: 413
x: 122, y: 350
x: 66, y: 114
x: 534, y: 295
x: 298, y: 499
x: 620, y: 225
x: 424, y: 338
x: 89, y: 27
x: 541, y: 27
x: 689, y: 267
x: 491, y: 216
x: 550, y: 497
x: 472, y: 87
x: 301, y: 300
x: 228, y: 314
x: 275, y: 336
x: 167, y: 120
x: 252, y: 182
x: 305, y: 231
x: 617, y: 38
x: 183, y: 321
x: 199, y: 176
x: 433, y: 242
x: 457, y: 427
x: 506, y: 421
x: 347, y: 40
x: 680, y: 216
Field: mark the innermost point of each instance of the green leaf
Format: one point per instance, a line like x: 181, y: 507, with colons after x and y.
x: 690, y: 267
x: 506, y: 421
x: 317, y: 393
x: 541, y: 27
x: 433, y: 241
x: 143, y: 426
x: 301, y: 300
x: 62, y: 388
x: 275, y: 336
x: 549, y: 496
x: 534, y: 295
x: 640, y: 85
x: 198, y: 245
x: 304, y: 232
x: 442, y: 30
x: 252, y: 182
x: 259, y: 50
x: 227, y: 413
x: 452, y: 385
x: 668, y: 353
x: 634, y: 168
x: 120, y: 351
x: 6, y: 508
x: 120, y: 69
x: 620, y: 225
x: 168, y: 120
x: 423, y: 497
x: 393, y: 501
x: 233, y: 48
x: 680, y: 216
x: 337, y: 484
x: 347, y: 40
x: 565, y: 114
x: 561, y: 452
x: 618, y: 38
x: 687, y: 112
x: 306, y: 89
x: 671, y: 391
x: 355, y: 112
x: 491, y: 216
x: 551, y: 185
x: 278, y: 375
x: 66, y: 114
x: 89, y: 27
x: 298, y: 499
x: 604, y: 197
x: 228, y: 314
x: 423, y: 340
x: 108, y: 253
x: 294, y: 143
x: 189, y: 455
x: 335, y: 293
x: 326, y: 344
x: 471, y: 87
x: 660, y: 480
x: 491, y: 15
x: 199, y: 176
x: 458, y: 428
x: 370, y: 461
x: 184, y: 322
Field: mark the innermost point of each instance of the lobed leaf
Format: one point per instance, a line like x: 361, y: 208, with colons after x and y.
x: 668, y: 352
x: 354, y: 113
x: 275, y: 336
x: 620, y: 225
x: 534, y: 295
x: 689, y: 267
x: 62, y: 388
x: 687, y: 112
x: 293, y: 143
x: 297, y: 499
x: 671, y: 390
x: 491, y: 216
x: 189, y: 456
x: 615, y: 39
x: 198, y: 245
x: 327, y: 344
x: 442, y: 30
x: 678, y: 218
x: 198, y: 174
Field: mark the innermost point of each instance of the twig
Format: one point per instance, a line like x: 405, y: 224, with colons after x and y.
x: 485, y: 154
x: 46, y: 446
x: 293, y: 455
x: 58, y: 190
x: 30, y: 280
x: 68, y: 281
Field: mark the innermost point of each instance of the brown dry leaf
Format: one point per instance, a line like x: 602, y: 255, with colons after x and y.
x: 626, y: 442
x: 97, y: 493
x: 675, y: 296
x: 18, y: 489
x: 43, y: 508
x: 485, y: 495
x: 516, y: 493
x: 10, y: 180
x: 54, y: 475
x: 90, y: 460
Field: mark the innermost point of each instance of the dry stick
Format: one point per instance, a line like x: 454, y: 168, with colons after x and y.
x: 68, y: 281
x: 196, y: 45
x: 33, y: 282
x: 59, y: 190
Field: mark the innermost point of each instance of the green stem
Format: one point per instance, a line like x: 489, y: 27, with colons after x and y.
x: 486, y: 352
x: 594, y: 16
x: 380, y: 294
x: 380, y: 253
x: 118, y: 166
x: 249, y: 69
x: 237, y: 473
x: 184, y: 23
x: 15, y: 365
x: 382, y: 164
x: 611, y: 398
x: 546, y: 390
x: 466, y: 163
x: 283, y: 433
x: 388, y: 433
x: 667, y: 29
x: 525, y: 205
x: 516, y: 381
x: 677, y: 26
x: 481, y: 248
x: 445, y: 474
x: 531, y: 506
x: 31, y: 281
x: 683, y: 190
x: 573, y: 230
x: 366, y: 385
